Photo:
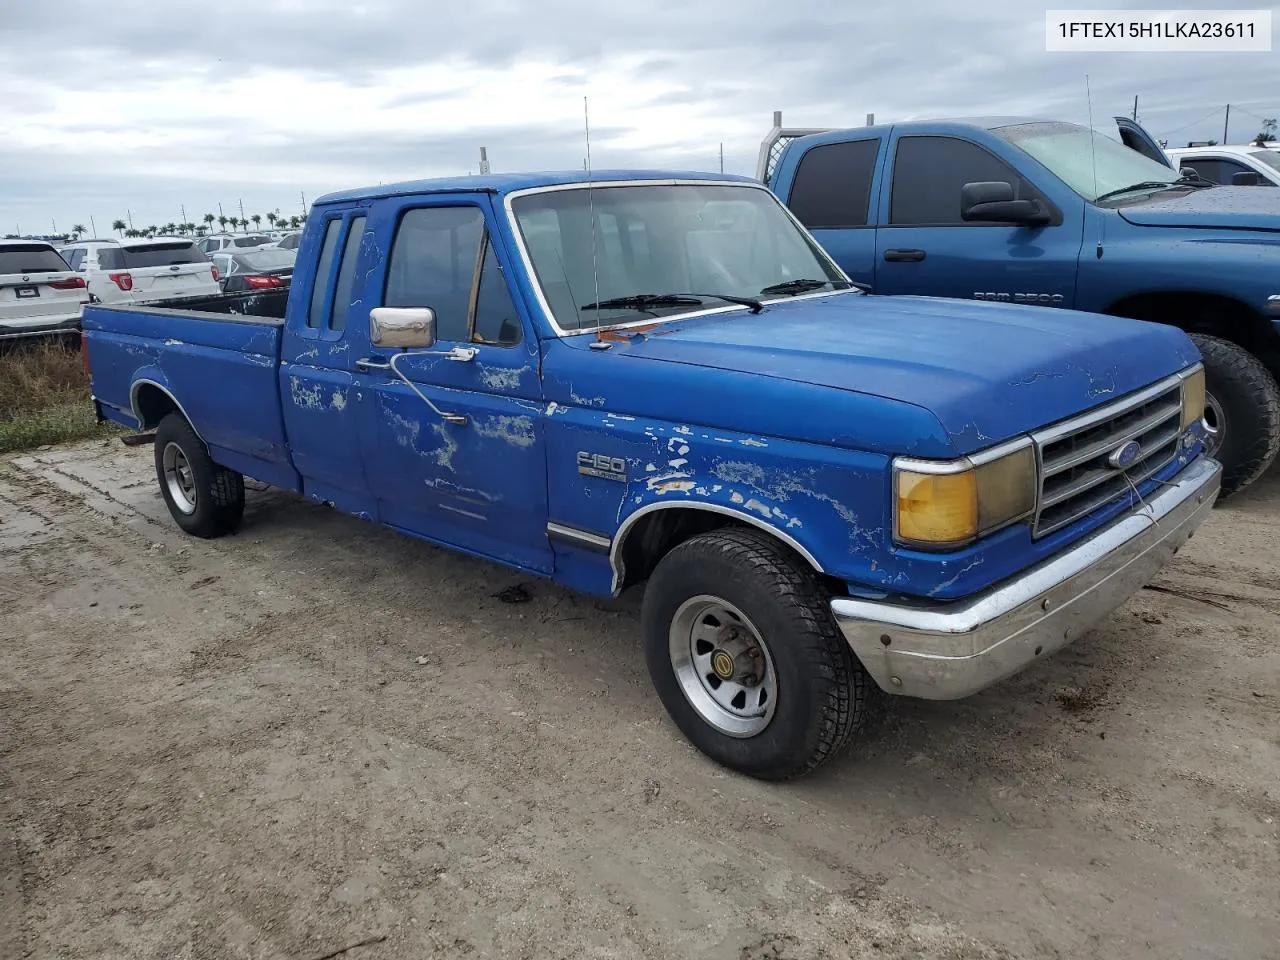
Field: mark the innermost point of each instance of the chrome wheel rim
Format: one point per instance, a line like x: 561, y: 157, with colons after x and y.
x: 1215, y: 425
x: 723, y: 666
x: 179, y: 479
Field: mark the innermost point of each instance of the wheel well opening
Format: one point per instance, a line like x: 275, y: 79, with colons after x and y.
x: 1207, y: 313
x: 657, y: 534
x: 152, y: 405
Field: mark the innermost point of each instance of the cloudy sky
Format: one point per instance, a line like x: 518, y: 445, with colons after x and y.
x: 148, y: 105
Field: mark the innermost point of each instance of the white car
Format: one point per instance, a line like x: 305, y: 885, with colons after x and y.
x: 137, y: 271
x: 1222, y: 164
x: 39, y: 292
x: 227, y: 241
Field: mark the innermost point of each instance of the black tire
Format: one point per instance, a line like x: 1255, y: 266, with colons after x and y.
x: 1244, y: 397
x: 823, y: 694
x: 214, y: 499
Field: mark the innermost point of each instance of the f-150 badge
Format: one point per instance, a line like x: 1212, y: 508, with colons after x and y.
x: 602, y: 466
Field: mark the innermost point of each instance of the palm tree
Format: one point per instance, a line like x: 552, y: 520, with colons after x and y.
x: 295, y: 221
x: 189, y: 227
x: 271, y: 218
x: 79, y: 230
x: 120, y: 226
x: 223, y: 221
x: 257, y: 221
x: 168, y: 228
x: 209, y: 220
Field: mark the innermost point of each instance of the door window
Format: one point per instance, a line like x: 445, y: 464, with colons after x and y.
x: 442, y: 258
x: 929, y: 172
x: 346, y: 274
x: 320, y: 285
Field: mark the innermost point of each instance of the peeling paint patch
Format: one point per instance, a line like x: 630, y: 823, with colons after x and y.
x: 947, y: 583
x: 502, y: 378
x: 306, y: 396
x: 406, y: 430
x: 517, y: 431
x: 173, y: 343
x: 309, y: 354
x: 748, y: 442
x: 736, y: 497
x: 586, y: 401
x: 448, y: 447
x: 618, y: 416
x: 755, y: 506
x: 685, y: 431
x: 338, y: 401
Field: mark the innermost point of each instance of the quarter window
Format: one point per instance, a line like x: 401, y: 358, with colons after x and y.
x: 321, y: 283
x: 346, y: 274
x: 929, y: 172
x: 496, y: 320
x: 832, y: 185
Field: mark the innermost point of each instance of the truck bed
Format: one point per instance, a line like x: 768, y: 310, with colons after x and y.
x: 220, y: 355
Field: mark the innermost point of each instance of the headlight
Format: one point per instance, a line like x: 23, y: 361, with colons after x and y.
x: 940, y: 505
x: 1192, y: 397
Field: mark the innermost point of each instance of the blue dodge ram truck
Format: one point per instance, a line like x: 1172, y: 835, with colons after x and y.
x: 1047, y: 213
x: 662, y: 379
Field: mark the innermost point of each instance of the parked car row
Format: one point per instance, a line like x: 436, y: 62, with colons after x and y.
x: 43, y: 288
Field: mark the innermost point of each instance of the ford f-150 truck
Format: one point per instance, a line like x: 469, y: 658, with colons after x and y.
x: 662, y: 379
x: 1050, y: 214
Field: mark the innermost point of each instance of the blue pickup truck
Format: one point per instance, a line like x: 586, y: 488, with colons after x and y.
x: 1049, y: 214
x: 662, y: 379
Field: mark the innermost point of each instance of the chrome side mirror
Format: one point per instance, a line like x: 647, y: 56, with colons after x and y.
x: 412, y: 328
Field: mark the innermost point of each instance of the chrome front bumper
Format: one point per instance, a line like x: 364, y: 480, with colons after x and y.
x: 945, y: 651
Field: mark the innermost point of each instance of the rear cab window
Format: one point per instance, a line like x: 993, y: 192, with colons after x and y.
x: 832, y: 184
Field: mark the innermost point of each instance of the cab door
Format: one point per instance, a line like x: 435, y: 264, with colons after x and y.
x: 925, y: 247
x: 453, y: 435
x: 318, y: 381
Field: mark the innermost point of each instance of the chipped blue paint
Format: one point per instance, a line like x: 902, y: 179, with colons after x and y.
x: 787, y: 419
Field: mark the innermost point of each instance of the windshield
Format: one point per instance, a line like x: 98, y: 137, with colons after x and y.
x: 267, y: 259
x: 698, y: 239
x: 1267, y: 157
x: 1072, y: 153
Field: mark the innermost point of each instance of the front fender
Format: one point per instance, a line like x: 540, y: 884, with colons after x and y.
x: 1130, y: 261
x: 828, y: 504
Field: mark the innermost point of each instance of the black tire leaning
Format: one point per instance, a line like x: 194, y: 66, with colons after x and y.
x: 218, y: 492
x: 1249, y: 398
x: 823, y: 692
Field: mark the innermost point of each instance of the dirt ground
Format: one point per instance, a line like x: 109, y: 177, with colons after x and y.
x: 318, y: 733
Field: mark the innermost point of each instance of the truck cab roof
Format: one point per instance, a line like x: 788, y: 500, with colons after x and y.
x: 503, y: 183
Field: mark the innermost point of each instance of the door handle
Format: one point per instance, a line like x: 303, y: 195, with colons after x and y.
x: 368, y: 364
x: 897, y: 256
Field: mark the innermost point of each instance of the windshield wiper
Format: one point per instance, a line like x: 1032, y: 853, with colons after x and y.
x: 1196, y: 181
x: 804, y: 286
x: 644, y: 301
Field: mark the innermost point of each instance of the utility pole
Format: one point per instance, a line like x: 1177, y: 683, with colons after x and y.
x: 241, y: 214
x: 183, y: 208
x: 484, y: 161
x: 304, y: 202
x: 722, y: 156
x: 93, y: 226
x: 128, y: 215
x: 871, y: 119
x: 1135, y: 108
x: 1225, y: 123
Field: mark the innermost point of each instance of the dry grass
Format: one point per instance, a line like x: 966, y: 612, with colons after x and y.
x: 44, y: 397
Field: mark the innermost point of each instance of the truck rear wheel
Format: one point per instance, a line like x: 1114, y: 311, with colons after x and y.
x: 204, y: 499
x: 746, y: 657
x: 1242, y: 411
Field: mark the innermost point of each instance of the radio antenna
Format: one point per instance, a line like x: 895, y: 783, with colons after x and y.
x: 1093, y: 148
x: 591, y: 215
x: 1093, y: 157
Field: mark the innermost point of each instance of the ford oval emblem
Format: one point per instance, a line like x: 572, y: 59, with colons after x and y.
x: 1125, y: 456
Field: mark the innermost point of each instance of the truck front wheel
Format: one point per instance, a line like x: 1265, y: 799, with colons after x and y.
x: 205, y: 500
x: 1242, y: 411
x: 746, y: 657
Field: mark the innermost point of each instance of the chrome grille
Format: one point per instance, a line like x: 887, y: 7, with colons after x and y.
x: 1075, y: 477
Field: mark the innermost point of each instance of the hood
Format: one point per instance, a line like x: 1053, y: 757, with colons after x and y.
x: 1223, y: 208
x: 986, y: 371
